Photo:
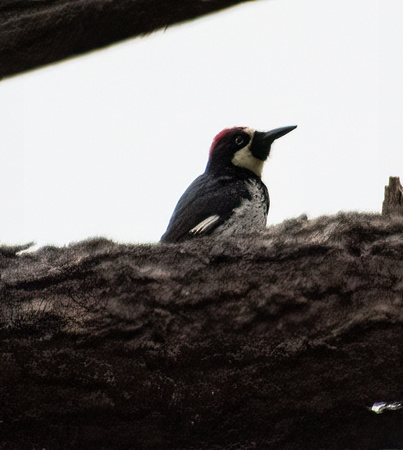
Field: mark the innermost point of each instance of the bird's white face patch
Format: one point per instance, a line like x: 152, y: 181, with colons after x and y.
x: 244, y: 158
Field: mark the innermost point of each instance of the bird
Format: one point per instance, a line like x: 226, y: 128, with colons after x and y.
x: 229, y: 198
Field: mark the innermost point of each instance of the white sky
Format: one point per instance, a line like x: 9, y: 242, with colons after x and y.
x: 105, y: 144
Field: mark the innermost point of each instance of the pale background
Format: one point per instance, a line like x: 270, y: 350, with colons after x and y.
x: 104, y: 145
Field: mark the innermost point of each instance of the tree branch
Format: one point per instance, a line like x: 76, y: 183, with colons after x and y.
x: 35, y: 33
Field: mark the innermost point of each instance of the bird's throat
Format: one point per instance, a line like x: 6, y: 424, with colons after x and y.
x: 244, y: 158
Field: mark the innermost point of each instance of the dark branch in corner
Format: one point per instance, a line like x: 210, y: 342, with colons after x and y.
x: 35, y: 33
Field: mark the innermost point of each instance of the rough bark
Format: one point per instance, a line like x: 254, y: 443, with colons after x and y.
x: 277, y: 341
x: 38, y: 32
x: 393, y: 201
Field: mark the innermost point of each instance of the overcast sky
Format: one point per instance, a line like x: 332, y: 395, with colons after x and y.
x: 105, y: 144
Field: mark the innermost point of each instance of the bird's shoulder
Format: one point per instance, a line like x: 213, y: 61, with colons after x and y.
x: 214, y: 191
x: 205, y: 204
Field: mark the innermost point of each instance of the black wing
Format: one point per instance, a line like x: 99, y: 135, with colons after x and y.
x: 204, y: 206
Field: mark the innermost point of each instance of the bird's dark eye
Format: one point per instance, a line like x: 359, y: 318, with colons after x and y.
x: 239, y: 140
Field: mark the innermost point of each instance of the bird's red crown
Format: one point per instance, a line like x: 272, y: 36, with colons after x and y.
x: 221, y: 134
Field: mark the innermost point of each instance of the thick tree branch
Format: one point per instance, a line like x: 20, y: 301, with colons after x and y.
x: 279, y: 341
x: 38, y: 32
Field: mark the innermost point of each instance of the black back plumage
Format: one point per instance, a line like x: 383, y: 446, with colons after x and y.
x: 209, y: 196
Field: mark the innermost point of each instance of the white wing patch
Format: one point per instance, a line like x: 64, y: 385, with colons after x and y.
x: 206, y: 223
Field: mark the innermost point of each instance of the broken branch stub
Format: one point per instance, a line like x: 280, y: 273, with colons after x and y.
x: 393, y: 201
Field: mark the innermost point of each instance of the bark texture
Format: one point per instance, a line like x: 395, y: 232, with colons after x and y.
x: 38, y: 32
x: 278, y: 341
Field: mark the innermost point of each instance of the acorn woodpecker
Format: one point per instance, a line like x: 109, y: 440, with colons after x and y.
x: 229, y: 197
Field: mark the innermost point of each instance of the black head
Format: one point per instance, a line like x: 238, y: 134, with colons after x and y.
x: 243, y: 147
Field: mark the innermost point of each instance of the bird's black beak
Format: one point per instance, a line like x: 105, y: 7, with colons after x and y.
x: 262, y: 141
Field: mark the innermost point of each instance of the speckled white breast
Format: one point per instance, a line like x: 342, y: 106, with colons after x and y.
x: 249, y: 217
